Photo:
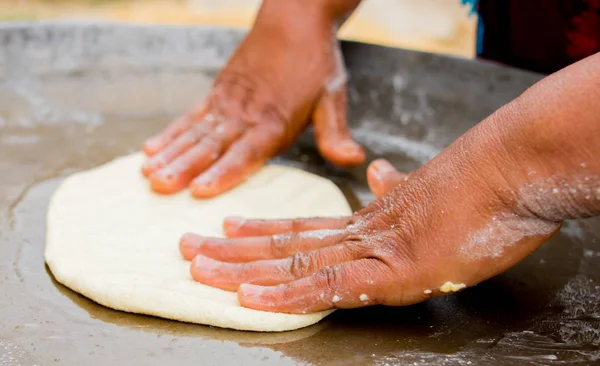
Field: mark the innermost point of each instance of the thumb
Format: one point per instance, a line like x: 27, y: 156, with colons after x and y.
x: 331, y: 130
x: 383, y: 177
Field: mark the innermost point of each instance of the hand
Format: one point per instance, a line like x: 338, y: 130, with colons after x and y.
x: 436, y: 232
x: 479, y: 207
x: 287, y: 73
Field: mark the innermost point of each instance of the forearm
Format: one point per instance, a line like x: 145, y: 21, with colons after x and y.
x: 545, y: 145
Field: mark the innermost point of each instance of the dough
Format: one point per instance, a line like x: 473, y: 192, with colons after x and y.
x: 112, y: 240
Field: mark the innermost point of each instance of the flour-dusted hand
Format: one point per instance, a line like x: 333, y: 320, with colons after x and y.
x: 481, y: 206
x: 287, y: 73
x: 424, y: 238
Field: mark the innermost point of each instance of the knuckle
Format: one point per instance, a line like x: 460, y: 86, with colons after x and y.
x: 394, y: 249
x: 255, y: 97
x: 353, y: 225
x: 196, y: 133
x: 188, y: 138
x: 331, y: 278
x: 300, y: 265
x: 275, y: 128
x: 229, y: 77
x: 279, y: 245
x: 402, y: 245
x: 212, y: 142
x: 386, y: 250
x: 358, y: 249
x: 199, y: 129
x: 388, y: 246
x: 244, y: 273
x: 297, y: 225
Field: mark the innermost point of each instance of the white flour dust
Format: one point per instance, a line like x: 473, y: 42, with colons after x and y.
x: 504, y: 232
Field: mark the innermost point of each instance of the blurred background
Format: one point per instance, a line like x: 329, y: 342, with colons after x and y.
x: 440, y: 26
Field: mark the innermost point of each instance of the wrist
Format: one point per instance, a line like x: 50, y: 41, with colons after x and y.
x: 470, y: 196
x: 461, y: 205
x: 301, y: 15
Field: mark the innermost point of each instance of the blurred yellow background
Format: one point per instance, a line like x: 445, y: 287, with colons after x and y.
x: 441, y: 26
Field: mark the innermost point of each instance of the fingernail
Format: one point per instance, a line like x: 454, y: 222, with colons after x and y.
x: 251, y: 291
x: 203, y: 181
x: 189, y: 245
x: 382, y: 166
x: 205, y: 187
x: 203, y: 267
x: 233, y: 223
x: 165, y: 173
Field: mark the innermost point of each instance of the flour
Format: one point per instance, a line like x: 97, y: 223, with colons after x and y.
x: 503, y: 232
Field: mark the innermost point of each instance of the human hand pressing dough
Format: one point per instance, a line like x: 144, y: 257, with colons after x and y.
x: 482, y: 205
x: 422, y: 239
x: 479, y: 207
x: 287, y: 73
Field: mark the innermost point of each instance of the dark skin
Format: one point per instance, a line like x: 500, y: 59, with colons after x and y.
x: 482, y: 205
x: 259, y: 105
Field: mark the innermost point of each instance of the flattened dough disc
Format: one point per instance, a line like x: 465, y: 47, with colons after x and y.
x: 112, y: 240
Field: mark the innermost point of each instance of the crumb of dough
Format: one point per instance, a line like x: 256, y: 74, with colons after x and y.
x: 451, y: 287
x: 336, y: 298
x: 427, y: 292
x: 363, y: 297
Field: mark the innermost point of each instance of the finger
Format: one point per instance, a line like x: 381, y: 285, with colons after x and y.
x: 174, y: 149
x: 180, y: 172
x: 242, y: 159
x: 268, y: 272
x: 331, y: 130
x: 255, y: 248
x: 349, y: 285
x: 383, y: 177
x: 156, y: 143
x: 236, y: 227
